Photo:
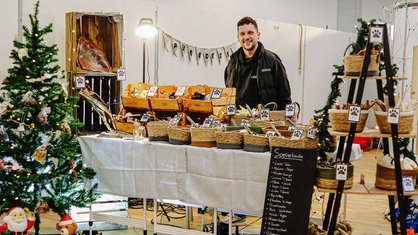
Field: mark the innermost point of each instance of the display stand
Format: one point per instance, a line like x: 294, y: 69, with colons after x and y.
x: 378, y: 34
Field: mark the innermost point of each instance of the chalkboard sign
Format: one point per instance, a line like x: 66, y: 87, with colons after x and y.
x: 289, y: 191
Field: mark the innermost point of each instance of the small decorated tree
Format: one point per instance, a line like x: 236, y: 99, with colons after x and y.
x: 40, y: 157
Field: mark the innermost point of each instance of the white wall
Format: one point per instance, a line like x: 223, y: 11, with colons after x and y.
x: 212, y: 24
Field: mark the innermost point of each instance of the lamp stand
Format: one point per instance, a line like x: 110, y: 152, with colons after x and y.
x: 143, y: 61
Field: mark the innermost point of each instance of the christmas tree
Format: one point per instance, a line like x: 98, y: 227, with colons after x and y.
x: 40, y: 157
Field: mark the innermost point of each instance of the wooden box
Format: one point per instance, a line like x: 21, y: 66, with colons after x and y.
x: 213, y: 106
x: 104, y: 31
x: 135, y: 96
x: 162, y: 101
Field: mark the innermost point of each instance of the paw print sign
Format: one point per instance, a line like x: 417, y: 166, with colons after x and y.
x: 265, y: 114
x: 216, y: 93
x: 408, y: 184
x: 376, y: 34
x: 354, y: 113
x: 231, y: 110
x: 290, y: 110
x: 393, y: 115
x: 341, y: 172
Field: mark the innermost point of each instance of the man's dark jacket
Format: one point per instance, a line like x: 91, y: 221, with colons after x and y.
x: 271, y: 76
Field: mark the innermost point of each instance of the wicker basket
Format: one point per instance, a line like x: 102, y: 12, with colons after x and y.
x: 404, y: 126
x: 302, y: 143
x: 354, y: 63
x: 229, y: 139
x: 386, y: 179
x: 157, y: 131
x: 283, y: 130
x: 179, y: 136
x: 203, y: 137
x: 265, y: 123
x: 339, y: 120
x: 325, y: 178
x: 280, y: 116
x: 256, y: 143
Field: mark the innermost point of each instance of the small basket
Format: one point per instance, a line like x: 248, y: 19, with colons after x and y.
x: 404, y: 125
x: 265, y: 123
x: 339, y: 120
x: 203, y: 137
x: 302, y: 143
x: 354, y: 63
x: 325, y: 178
x: 283, y: 130
x: 157, y: 131
x: 386, y: 179
x: 179, y: 136
x: 229, y: 139
x: 256, y: 143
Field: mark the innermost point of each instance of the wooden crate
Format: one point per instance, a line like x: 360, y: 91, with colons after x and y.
x: 103, y: 29
x: 132, y: 99
x: 162, y: 102
x: 213, y: 106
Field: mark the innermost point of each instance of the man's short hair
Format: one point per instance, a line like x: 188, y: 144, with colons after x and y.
x: 247, y: 20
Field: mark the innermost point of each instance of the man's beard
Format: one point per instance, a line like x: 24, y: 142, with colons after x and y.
x: 17, y: 227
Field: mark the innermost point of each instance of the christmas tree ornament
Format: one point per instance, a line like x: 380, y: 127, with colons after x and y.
x: 23, y: 52
x: 18, y: 221
x: 42, y: 117
x: 67, y: 225
x: 40, y: 153
x: 28, y: 99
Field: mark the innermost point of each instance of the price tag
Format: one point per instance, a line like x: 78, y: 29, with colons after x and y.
x: 152, y: 91
x: 231, y: 110
x: 290, y: 110
x: 180, y: 91
x: 270, y: 133
x: 341, y: 171
x: 207, y: 122
x: 244, y: 122
x: 297, y: 134
x: 175, y: 120
x: 354, y: 113
x: 265, y: 114
x: 408, y: 184
x: 80, y: 82
x: 216, y: 123
x: 291, y: 128
x: 144, y: 118
x: 393, y: 115
x: 216, y: 93
x: 121, y: 74
x: 311, y: 133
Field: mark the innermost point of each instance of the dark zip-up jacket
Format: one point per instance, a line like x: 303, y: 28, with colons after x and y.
x: 262, y: 79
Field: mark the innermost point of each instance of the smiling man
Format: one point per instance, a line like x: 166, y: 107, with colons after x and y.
x: 258, y: 74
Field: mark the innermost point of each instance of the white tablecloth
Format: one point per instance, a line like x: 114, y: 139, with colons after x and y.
x: 233, y: 179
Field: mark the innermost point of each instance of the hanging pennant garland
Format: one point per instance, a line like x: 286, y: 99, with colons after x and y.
x: 208, y: 55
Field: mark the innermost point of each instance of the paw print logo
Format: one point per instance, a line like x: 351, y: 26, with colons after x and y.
x: 231, y: 109
x: 290, y: 108
x: 354, y: 112
x: 376, y: 33
x: 341, y: 170
x: 217, y: 92
x: 264, y: 113
x: 393, y: 113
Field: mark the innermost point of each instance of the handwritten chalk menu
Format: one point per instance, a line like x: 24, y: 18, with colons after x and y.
x: 289, y: 191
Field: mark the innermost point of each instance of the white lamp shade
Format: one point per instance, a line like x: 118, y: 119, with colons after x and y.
x: 146, y: 29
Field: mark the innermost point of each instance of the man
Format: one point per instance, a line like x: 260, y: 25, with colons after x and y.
x: 258, y: 74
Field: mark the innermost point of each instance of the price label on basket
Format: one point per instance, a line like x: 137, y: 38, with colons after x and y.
x: 180, y: 91
x: 207, y: 122
x: 354, y: 113
x: 231, y: 110
x: 290, y: 110
x: 297, y: 134
x: 152, y: 91
x: 270, y: 133
x: 408, y: 184
x: 393, y: 115
x: 80, y: 82
x: 341, y: 171
x: 311, y: 134
x: 216, y: 123
x: 144, y: 118
x: 265, y: 114
x: 244, y: 122
x: 175, y: 120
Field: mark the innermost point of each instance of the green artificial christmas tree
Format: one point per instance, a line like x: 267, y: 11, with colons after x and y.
x: 40, y: 157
